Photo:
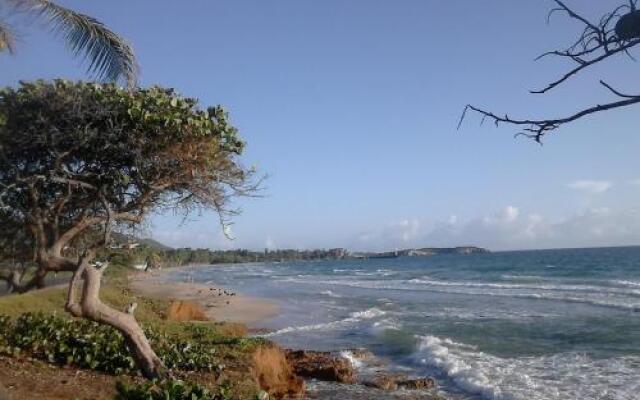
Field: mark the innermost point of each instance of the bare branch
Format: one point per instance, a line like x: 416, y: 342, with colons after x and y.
x: 616, y: 92
x: 586, y: 64
x: 537, y: 128
x: 573, y: 14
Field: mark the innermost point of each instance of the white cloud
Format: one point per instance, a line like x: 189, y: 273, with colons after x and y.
x: 402, y: 233
x: 635, y: 182
x: 269, y: 244
x: 511, y: 228
x: 453, y: 219
x: 590, y: 186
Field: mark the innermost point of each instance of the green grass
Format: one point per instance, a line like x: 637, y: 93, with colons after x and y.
x: 48, y: 300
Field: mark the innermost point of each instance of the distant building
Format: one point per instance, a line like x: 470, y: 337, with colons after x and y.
x: 125, y: 246
x: 338, y: 252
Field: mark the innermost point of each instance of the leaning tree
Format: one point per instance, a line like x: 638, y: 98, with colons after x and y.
x: 616, y: 33
x: 77, y: 159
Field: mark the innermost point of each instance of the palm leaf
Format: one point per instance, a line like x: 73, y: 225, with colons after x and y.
x: 7, y: 38
x: 109, y: 56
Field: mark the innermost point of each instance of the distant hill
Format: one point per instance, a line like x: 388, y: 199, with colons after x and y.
x: 428, y: 251
x: 422, y: 252
x: 121, y: 239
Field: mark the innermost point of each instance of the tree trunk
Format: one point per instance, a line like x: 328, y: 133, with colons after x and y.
x: 15, y: 284
x: 92, y: 308
x: 47, y: 262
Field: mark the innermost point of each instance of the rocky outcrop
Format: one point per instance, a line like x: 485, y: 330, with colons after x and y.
x: 394, y: 382
x: 334, y: 367
x: 273, y: 372
x: 323, y: 366
x: 417, y: 384
x: 384, y: 382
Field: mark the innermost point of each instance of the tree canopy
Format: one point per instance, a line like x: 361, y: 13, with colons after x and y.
x: 78, y: 158
x: 75, y: 156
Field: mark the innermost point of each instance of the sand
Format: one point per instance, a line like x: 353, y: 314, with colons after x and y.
x: 217, y: 305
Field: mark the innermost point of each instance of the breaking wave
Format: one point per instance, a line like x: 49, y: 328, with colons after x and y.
x: 557, y: 377
x: 353, y: 318
x: 601, y: 296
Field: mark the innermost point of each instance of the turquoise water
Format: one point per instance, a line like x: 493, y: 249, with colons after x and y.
x: 553, y: 324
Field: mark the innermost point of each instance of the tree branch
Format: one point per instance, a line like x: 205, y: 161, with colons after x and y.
x: 586, y: 64
x: 537, y: 128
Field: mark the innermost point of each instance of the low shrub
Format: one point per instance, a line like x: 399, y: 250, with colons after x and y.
x: 164, y: 390
x: 89, y: 345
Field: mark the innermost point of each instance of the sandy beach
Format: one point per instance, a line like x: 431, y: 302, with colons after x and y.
x: 219, y: 303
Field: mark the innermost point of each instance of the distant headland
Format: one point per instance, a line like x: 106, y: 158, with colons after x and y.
x: 421, y: 252
x: 144, y: 249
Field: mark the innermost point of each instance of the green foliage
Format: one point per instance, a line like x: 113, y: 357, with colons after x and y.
x: 99, y: 147
x: 186, y: 256
x: 98, y: 347
x: 166, y: 390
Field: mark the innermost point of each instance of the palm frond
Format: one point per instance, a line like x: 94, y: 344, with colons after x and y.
x: 109, y: 56
x: 7, y: 38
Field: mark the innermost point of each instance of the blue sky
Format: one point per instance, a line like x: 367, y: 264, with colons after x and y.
x: 351, y: 109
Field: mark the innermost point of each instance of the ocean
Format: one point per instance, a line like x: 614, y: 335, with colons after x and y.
x: 526, y: 325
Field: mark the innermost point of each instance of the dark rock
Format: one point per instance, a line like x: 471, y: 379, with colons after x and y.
x: 417, y: 384
x: 393, y: 382
x: 384, y: 382
x: 323, y: 366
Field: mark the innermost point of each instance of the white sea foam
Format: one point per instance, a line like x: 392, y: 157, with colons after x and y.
x: 379, y: 272
x: 618, y: 298
x: 353, y: 318
x: 524, y: 277
x: 557, y: 377
x: 330, y: 294
x: 351, y: 358
x: 633, y: 284
x: 541, y: 287
x: 368, y: 314
x: 386, y: 324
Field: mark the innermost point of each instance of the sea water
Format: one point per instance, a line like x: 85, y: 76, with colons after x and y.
x: 530, y: 325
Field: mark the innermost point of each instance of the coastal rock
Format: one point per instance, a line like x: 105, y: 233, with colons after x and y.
x: 384, y: 382
x: 323, y: 366
x: 394, y: 382
x: 273, y: 372
x: 417, y: 384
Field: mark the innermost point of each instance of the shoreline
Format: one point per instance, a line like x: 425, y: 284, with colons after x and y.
x: 358, y: 375
x: 219, y: 304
